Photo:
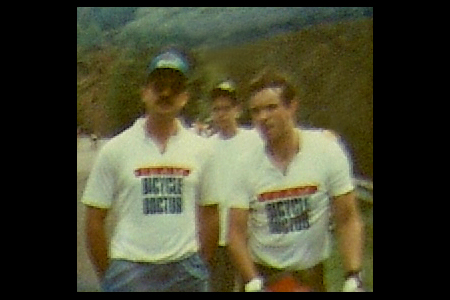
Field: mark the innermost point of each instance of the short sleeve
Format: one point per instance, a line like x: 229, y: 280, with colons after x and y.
x: 207, y: 184
x: 99, y: 191
x: 340, y: 180
x: 240, y: 193
x: 207, y: 179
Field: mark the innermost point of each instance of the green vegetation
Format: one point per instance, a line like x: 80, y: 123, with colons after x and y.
x: 331, y: 64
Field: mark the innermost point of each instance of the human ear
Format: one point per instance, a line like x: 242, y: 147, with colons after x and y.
x: 145, y: 90
x: 144, y: 93
x: 238, y: 111
x: 293, y: 106
x: 184, y: 97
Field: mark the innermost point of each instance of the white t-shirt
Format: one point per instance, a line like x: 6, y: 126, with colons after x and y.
x: 225, y: 157
x: 289, y: 213
x: 154, y: 193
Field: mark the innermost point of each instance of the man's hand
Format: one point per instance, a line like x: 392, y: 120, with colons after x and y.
x: 353, y: 283
x: 255, y: 285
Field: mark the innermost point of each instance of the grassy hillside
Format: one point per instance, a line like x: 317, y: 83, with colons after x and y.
x: 331, y: 64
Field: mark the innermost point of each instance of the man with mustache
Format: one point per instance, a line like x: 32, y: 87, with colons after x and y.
x: 152, y: 174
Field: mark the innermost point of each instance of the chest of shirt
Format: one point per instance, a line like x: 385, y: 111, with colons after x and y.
x: 151, y: 172
x: 305, y: 178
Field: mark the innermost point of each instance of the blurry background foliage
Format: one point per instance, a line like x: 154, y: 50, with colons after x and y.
x: 327, y: 51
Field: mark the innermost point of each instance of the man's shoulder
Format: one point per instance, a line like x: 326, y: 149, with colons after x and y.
x: 191, y: 135
x: 319, y: 137
x: 323, y: 142
x: 253, y: 154
x: 249, y: 131
x: 196, y: 143
x: 250, y: 137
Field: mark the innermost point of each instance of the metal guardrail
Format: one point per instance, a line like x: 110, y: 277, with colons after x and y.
x: 364, y: 189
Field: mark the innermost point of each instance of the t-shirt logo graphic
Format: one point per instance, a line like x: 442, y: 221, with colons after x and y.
x: 287, y: 210
x: 162, y: 189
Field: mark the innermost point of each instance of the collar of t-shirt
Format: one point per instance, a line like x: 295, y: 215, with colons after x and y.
x: 141, y: 124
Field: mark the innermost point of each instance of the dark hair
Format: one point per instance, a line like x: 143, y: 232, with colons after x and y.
x: 178, y: 81
x: 272, y: 78
x: 219, y: 92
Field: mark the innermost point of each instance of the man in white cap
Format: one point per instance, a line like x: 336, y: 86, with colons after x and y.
x: 152, y: 174
x: 230, y: 142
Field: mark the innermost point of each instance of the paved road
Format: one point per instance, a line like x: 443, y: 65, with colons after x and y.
x: 87, y: 280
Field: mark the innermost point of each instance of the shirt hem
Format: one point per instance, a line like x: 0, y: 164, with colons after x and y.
x: 343, y: 191
x: 155, y: 261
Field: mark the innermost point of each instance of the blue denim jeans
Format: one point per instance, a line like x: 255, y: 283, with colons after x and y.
x: 187, y: 275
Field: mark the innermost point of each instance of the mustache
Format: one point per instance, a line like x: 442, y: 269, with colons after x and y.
x: 165, y: 99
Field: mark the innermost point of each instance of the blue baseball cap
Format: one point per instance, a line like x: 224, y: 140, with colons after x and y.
x: 170, y: 59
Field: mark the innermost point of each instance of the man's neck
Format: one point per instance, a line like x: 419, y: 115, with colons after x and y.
x: 161, y: 129
x: 228, y: 132
x: 283, y: 149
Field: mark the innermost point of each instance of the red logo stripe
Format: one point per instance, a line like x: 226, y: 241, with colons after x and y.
x: 286, y: 193
x: 161, y: 171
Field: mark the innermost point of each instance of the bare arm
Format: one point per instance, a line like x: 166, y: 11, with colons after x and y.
x: 208, y: 230
x: 349, y: 230
x: 96, y: 238
x: 238, y: 244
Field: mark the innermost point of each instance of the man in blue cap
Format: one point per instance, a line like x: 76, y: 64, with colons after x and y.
x: 152, y: 175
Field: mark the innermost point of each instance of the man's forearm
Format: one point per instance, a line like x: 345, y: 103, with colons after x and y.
x: 209, y: 230
x: 350, y: 236
x: 97, y: 245
x: 241, y: 257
